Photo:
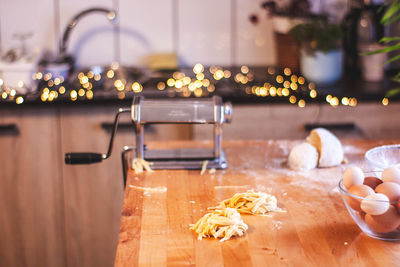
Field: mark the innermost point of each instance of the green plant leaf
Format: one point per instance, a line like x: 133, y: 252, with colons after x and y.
x: 392, y: 10
x: 392, y: 92
x: 383, y: 50
x: 391, y: 20
x: 390, y: 60
x: 389, y: 39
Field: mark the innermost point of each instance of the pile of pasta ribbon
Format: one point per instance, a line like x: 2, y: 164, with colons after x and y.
x: 256, y: 203
x: 225, y: 221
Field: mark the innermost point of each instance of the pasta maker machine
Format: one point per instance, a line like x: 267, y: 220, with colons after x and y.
x: 170, y: 111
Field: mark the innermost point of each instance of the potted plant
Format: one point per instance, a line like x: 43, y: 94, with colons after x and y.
x: 321, y: 55
x: 392, y: 43
x: 284, y: 16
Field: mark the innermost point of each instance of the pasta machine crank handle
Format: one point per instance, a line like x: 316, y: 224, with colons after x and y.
x: 89, y: 157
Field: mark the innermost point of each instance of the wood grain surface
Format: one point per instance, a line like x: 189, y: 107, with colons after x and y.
x: 315, y: 230
x: 31, y: 197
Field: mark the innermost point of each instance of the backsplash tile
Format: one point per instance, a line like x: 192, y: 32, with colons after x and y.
x: 92, y: 41
x: 145, y: 28
x: 210, y: 32
x: 26, y: 16
x: 255, y: 42
x: 204, y: 33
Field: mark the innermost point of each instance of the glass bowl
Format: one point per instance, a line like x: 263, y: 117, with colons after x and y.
x: 381, y: 157
x: 373, y: 227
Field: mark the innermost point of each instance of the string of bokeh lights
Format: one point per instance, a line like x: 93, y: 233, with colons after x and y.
x: 201, y: 82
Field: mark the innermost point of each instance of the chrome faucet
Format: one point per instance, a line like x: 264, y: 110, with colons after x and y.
x: 111, y: 16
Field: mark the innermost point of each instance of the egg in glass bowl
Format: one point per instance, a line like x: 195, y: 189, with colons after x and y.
x: 373, y: 203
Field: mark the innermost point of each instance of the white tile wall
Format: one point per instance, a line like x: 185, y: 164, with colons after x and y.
x: 255, y: 42
x: 145, y: 28
x: 213, y: 32
x: 26, y: 16
x: 204, y: 32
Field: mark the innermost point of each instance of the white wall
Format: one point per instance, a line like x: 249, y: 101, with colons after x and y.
x: 208, y: 31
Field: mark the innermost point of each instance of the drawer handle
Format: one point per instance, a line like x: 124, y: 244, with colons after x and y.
x: 108, y: 126
x: 350, y: 126
x: 10, y: 128
x: 125, y: 126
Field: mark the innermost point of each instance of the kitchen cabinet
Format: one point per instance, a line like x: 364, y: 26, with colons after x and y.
x: 93, y: 193
x: 31, y: 189
x: 63, y: 215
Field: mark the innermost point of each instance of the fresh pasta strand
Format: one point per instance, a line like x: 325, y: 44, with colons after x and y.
x: 250, y: 202
x: 139, y: 165
x: 149, y: 189
x: 204, y: 167
x: 221, y: 223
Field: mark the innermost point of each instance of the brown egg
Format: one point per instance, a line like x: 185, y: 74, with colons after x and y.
x: 384, y: 223
x: 359, y: 190
x: 390, y: 189
x: 362, y: 215
x: 398, y: 205
x: 372, y: 181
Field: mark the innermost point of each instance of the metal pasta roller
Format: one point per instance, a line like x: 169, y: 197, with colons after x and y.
x: 170, y: 111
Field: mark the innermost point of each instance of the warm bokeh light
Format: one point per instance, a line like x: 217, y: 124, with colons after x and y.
x: 328, y: 98
x: 334, y: 101
x: 170, y: 82
x: 272, y: 91
x: 211, y: 88
x: 81, y: 92
x: 137, y: 87
x: 244, y: 69
x: 279, y: 79
x: 198, y: 68
x: 110, y: 74
x: 19, y: 100
x: 271, y: 71
x: 161, y: 86
x: 301, y: 103
x: 73, y: 95
x: 178, y: 84
x: 89, y: 94
x: 286, y: 84
x: 61, y: 90
x: 353, y: 102
x: 385, y: 101
x: 218, y: 75
x: 287, y: 71
x: 200, y: 76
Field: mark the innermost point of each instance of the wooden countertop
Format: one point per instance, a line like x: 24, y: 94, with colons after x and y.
x: 316, y: 230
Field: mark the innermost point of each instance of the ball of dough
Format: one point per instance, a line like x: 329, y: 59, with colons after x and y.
x: 328, y: 145
x: 303, y: 157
